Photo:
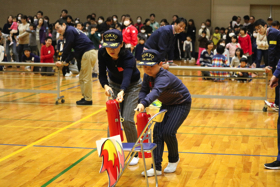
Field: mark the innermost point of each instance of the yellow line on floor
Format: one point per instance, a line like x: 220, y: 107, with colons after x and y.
x: 52, y: 134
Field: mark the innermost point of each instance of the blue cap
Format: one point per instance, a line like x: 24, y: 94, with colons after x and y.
x: 112, y: 38
x: 150, y: 57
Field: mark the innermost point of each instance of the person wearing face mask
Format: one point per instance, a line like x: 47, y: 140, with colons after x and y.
x: 124, y: 79
x: 142, y: 33
x: 100, y: 20
x: 203, y: 28
x: 163, y: 40
x: 115, y: 21
x: 139, y: 23
x: 104, y: 26
x: 129, y: 34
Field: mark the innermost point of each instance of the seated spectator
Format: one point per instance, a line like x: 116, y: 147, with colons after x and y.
x: 219, y: 60
x: 235, y: 62
x: 206, y: 58
x: 47, y: 53
x: 31, y: 58
x: 243, y: 64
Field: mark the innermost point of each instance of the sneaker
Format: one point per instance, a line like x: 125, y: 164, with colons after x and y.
x: 84, y: 102
x: 273, y: 165
x: 134, y: 161
x: 68, y: 74
x: 157, y: 103
x: 151, y: 172
x: 171, y: 167
x: 83, y: 99
x: 272, y: 105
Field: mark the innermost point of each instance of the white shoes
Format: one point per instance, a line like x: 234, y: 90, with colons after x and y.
x: 151, y: 172
x: 134, y: 161
x: 68, y: 74
x: 171, y: 167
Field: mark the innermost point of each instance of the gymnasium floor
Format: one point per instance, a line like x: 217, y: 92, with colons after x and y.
x: 221, y: 143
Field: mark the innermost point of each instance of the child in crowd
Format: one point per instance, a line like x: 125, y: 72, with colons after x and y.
x: 160, y: 84
x: 222, y: 32
x: 232, y: 47
x: 235, y: 62
x: 142, y: 33
x: 139, y: 48
x: 222, y: 42
x: 243, y: 64
x: 47, y: 53
x: 245, y: 42
x: 32, y: 39
x: 203, y: 28
x: 14, y: 29
x: 202, y: 45
x: 219, y: 60
x: 187, y: 48
x: 31, y: 58
x: 216, y: 37
x: 206, y: 58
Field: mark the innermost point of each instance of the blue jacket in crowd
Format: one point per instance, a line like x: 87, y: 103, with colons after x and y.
x: 273, y: 39
x: 32, y: 58
x: 162, y: 40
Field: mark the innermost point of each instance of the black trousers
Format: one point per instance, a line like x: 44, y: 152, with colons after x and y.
x: 166, y: 132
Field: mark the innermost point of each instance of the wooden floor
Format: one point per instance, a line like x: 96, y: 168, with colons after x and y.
x: 221, y: 143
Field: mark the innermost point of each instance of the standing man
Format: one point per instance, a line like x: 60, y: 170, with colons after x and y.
x: 154, y: 24
x: 163, y: 40
x: 84, y: 50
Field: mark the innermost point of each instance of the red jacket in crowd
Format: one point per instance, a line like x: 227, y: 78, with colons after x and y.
x: 47, y: 54
x: 130, y: 35
x: 245, y: 43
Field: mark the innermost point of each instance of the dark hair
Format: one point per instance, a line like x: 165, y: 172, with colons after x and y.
x: 165, y: 21
x: 39, y: 21
x: 244, y: 29
x: 47, y: 18
x: 275, y: 23
x: 93, y: 14
x: 152, y: 15
x: 193, y: 25
x: 64, y: 10
x: 93, y: 26
x: 80, y: 24
x: 179, y: 20
x: 141, y: 38
x: 234, y: 18
x: 101, y: 17
x: 68, y: 16
x: 32, y: 25
x: 115, y: 16
x: 146, y: 20
x: 220, y: 41
x: 48, y: 37
x: 139, y: 17
x: 60, y: 21
x: 92, y: 18
x: 176, y: 16
x: 220, y: 49
x: 236, y: 26
x: 253, y: 17
x: 89, y: 16
x: 240, y: 50
x: 223, y: 29
x: 208, y: 20
x: 109, y: 19
x: 235, y: 37
x: 243, y: 60
x: 217, y: 28
x: 143, y: 27
x: 208, y: 43
x: 260, y: 22
x: 269, y: 19
x: 203, y: 32
x: 24, y: 17
x: 40, y: 12
x: 27, y: 48
x: 246, y: 17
